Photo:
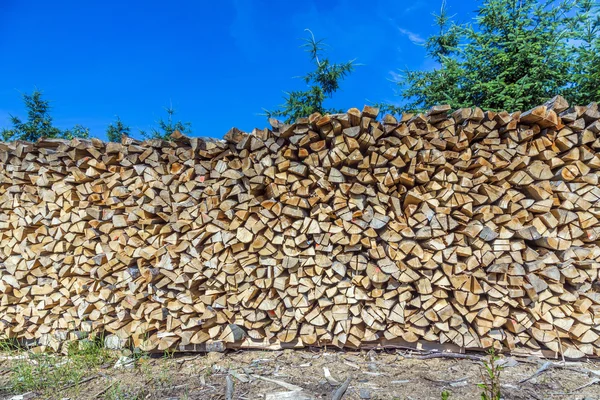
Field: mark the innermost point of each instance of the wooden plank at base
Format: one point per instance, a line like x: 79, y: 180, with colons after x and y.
x: 209, y: 347
x: 253, y: 344
x: 419, y: 346
x: 542, y: 353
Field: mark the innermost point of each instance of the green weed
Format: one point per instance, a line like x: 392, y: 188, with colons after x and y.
x: 45, y: 372
x: 9, y: 346
x: 91, y: 353
x: 490, y: 375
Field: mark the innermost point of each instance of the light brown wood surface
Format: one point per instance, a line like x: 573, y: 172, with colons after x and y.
x: 465, y: 228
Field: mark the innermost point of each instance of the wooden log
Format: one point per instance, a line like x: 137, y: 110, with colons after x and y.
x: 474, y: 228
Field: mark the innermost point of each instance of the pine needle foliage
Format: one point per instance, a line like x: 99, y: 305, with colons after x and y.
x: 167, y: 126
x: 39, y: 122
x: 514, y: 55
x: 116, y: 130
x: 322, y: 83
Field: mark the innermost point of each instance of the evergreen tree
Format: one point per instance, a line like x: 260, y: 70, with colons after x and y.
x: 517, y: 54
x: 7, y: 134
x: 39, y: 122
x: 322, y: 83
x: 78, y: 131
x: 116, y: 130
x: 586, y: 74
x: 168, y: 126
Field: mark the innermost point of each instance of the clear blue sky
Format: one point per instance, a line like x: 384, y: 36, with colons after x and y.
x: 218, y: 62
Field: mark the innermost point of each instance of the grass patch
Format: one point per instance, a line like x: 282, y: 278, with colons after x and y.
x: 91, y: 353
x: 45, y: 372
x: 120, y: 392
x: 9, y: 346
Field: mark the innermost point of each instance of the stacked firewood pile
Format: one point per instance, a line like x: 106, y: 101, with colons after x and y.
x: 469, y: 228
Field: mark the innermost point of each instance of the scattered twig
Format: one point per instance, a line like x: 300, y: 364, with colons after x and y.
x: 243, y: 395
x: 446, y: 355
x: 182, y: 360
x: 286, y: 385
x: 443, y: 381
x: 228, y: 388
x: 240, y: 377
x: 590, y: 383
x: 339, y: 393
x: 171, y: 388
x: 545, y: 367
x: 532, y: 394
x: 525, y: 361
x: 351, y: 364
x: 570, y: 366
x: 375, y: 373
x: 89, y: 378
x: 100, y: 393
x: 562, y: 354
x: 329, y: 378
x: 209, y: 389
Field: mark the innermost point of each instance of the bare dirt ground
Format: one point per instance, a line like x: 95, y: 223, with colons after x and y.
x: 269, y: 374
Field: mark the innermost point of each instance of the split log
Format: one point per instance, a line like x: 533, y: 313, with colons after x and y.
x: 464, y: 228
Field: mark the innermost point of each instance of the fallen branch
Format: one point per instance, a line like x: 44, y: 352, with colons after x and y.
x: 446, y: 355
x: 294, y: 395
x: 286, y: 385
x: 100, y: 393
x: 351, y: 364
x: 545, y: 367
x: 240, y: 377
x: 532, y: 394
x: 188, y: 358
x: 568, y: 366
x: 339, y: 393
x: 590, y: 383
x: 90, y: 378
x: 560, y: 347
x: 228, y: 388
x: 443, y: 381
x: 182, y: 360
x: 329, y: 378
x: 171, y: 388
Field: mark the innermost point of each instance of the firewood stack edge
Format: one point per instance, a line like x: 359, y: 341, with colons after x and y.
x: 468, y: 228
